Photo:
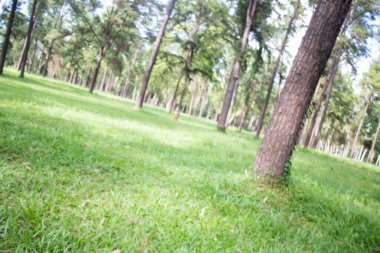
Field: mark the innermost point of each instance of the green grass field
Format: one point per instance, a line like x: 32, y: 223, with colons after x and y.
x: 89, y: 173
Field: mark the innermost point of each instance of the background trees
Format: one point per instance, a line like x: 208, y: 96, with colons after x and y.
x: 106, y: 46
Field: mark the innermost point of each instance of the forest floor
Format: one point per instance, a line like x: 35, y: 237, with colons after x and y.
x: 89, y: 173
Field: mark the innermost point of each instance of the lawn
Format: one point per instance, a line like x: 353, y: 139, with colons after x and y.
x: 89, y: 173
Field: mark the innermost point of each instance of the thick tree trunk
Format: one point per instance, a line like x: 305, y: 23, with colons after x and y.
x: 308, y: 65
x: 7, y: 36
x: 274, y: 72
x: 97, y: 67
x: 360, y: 126
x: 156, y: 48
x: 28, y: 39
x: 371, y: 153
x: 235, y: 72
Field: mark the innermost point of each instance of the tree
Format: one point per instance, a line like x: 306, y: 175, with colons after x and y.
x: 275, y: 70
x: 291, y: 107
x: 371, y: 153
x: 112, y: 28
x: 152, y: 60
x: 235, y: 72
x: 57, y: 26
x: 28, y: 39
x: 7, y: 36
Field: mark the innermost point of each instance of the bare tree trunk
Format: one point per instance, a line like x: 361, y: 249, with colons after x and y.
x: 156, y: 48
x: 190, y: 109
x: 361, y: 122
x: 274, y: 72
x: 317, y: 134
x: 102, y: 85
x: 32, y: 21
x: 235, y: 72
x: 313, y: 54
x: 242, y: 118
x: 97, y: 67
x: 7, y: 36
x: 204, y: 101
x: 172, y: 103
x: 34, y: 54
x: 371, y: 153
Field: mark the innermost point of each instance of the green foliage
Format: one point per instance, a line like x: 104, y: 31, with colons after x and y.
x: 88, y: 173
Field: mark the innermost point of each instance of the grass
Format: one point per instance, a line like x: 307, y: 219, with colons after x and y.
x: 89, y: 173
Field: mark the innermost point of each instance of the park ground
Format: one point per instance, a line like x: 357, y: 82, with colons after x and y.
x: 89, y: 173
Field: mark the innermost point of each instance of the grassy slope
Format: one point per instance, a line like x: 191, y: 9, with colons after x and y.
x: 89, y: 173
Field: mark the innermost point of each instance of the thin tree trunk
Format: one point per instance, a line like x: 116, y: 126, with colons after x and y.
x: 172, y: 103
x: 204, y: 101
x: 32, y: 21
x: 361, y: 122
x: 34, y: 54
x: 124, y: 91
x: 190, y: 109
x: 235, y: 72
x: 156, y: 48
x: 291, y: 108
x: 97, y: 67
x: 242, y: 118
x: 7, y: 36
x: 103, y: 79
x: 371, y: 153
x: 274, y: 72
x: 52, y: 41
x: 314, y: 141
x: 189, y: 60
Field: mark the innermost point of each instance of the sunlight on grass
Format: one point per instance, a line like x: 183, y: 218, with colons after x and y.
x: 89, y: 173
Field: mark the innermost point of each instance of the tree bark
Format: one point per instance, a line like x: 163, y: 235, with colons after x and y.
x: 361, y: 122
x: 97, y: 67
x: 156, y: 48
x: 371, y: 153
x: 308, y: 65
x: 235, y: 72
x: 274, y: 72
x: 28, y: 39
x: 7, y: 36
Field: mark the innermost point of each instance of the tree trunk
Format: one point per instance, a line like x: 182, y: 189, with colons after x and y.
x: 190, y: 109
x: 308, y: 65
x: 32, y: 21
x: 172, y: 103
x: 34, y: 54
x: 7, y: 36
x: 204, y: 101
x: 242, y: 118
x: 274, y: 72
x: 317, y: 133
x: 52, y: 41
x: 156, y: 48
x: 189, y: 60
x: 235, y: 72
x: 373, y: 145
x: 361, y: 122
x: 97, y: 67
x: 124, y: 90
